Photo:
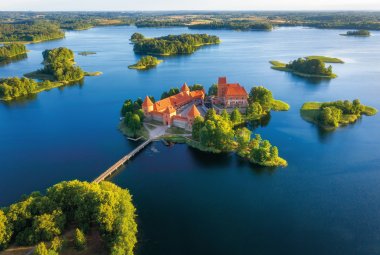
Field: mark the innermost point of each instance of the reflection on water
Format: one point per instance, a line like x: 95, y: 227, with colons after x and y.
x: 13, y: 59
x: 189, y: 202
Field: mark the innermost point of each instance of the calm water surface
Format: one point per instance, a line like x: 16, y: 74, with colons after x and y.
x: 326, y: 202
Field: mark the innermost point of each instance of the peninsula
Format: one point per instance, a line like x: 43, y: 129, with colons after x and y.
x: 311, y: 67
x: 145, y: 63
x: 171, y: 44
x: 334, y: 114
x: 211, y: 123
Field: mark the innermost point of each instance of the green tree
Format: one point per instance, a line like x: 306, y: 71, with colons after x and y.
x: 80, y: 241
x: 136, y: 37
x: 254, y: 111
x: 5, y: 231
x: 56, y: 244
x: 213, y: 90
x: 196, y: 128
x: 225, y: 115
x: 236, y: 116
x: 41, y: 249
x: 262, y: 96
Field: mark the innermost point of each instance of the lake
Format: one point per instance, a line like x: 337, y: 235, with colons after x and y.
x: 327, y: 201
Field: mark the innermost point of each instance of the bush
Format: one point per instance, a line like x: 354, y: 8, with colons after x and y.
x: 80, y: 241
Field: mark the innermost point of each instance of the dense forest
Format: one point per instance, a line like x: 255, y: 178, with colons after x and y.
x: 234, y: 25
x: 16, y: 87
x: 11, y: 50
x: 34, y: 31
x: 310, y: 66
x: 172, y: 44
x: 216, y: 133
x: 333, y: 114
x: 59, y: 63
x: 146, y: 62
x: 43, y: 219
x: 133, y: 117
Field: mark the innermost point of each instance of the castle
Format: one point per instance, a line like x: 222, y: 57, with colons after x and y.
x: 179, y: 110
x: 231, y: 95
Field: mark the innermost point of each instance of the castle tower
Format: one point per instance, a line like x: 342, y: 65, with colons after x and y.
x: 185, y: 88
x: 147, y: 105
x: 192, y: 114
x: 222, y: 86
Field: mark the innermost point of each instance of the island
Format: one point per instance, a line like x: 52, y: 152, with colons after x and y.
x: 59, y: 65
x: 304, y: 67
x: 171, y: 44
x: 331, y: 115
x: 12, y: 50
x: 234, y: 25
x: 60, y: 220
x: 59, y: 69
x: 145, y: 63
x: 210, y: 123
x: 360, y: 33
x: 86, y: 53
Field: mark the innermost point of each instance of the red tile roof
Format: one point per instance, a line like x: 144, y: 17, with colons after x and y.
x: 193, y: 112
x: 235, y: 90
x: 147, y: 102
x: 170, y: 110
x: 185, y: 88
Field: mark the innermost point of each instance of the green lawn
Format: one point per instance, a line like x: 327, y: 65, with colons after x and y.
x: 326, y: 59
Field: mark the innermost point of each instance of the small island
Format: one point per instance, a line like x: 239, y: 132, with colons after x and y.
x: 59, y: 66
x: 312, y: 67
x: 171, y: 44
x: 211, y: 123
x: 146, y: 63
x: 360, y: 33
x: 334, y: 114
x: 86, y: 53
x: 12, y: 50
x: 59, y: 69
x: 66, y: 218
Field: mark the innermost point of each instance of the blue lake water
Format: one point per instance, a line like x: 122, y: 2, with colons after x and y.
x: 327, y: 201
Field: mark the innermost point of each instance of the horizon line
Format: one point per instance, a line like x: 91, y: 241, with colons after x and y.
x: 179, y: 10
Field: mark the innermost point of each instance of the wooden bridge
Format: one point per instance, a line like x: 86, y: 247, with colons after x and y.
x: 122, y: 161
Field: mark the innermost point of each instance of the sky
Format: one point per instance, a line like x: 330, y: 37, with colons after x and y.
x: 155, y: 5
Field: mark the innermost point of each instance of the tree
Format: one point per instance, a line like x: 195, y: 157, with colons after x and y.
x: 196, y: 87
x: 47, y: 226
x: 243, y: 137
x: 236, y: 116
x: 5, y: 231
x: 136, y: 37
x: 254, y: 111
x: 225, y: 115
x: 262, y: 96
x: 80, y: 241
x: 210, y: 114
x: 41, y: 249
x: 56, y: 244
x: 196, y: 128
x: 213, y: 90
